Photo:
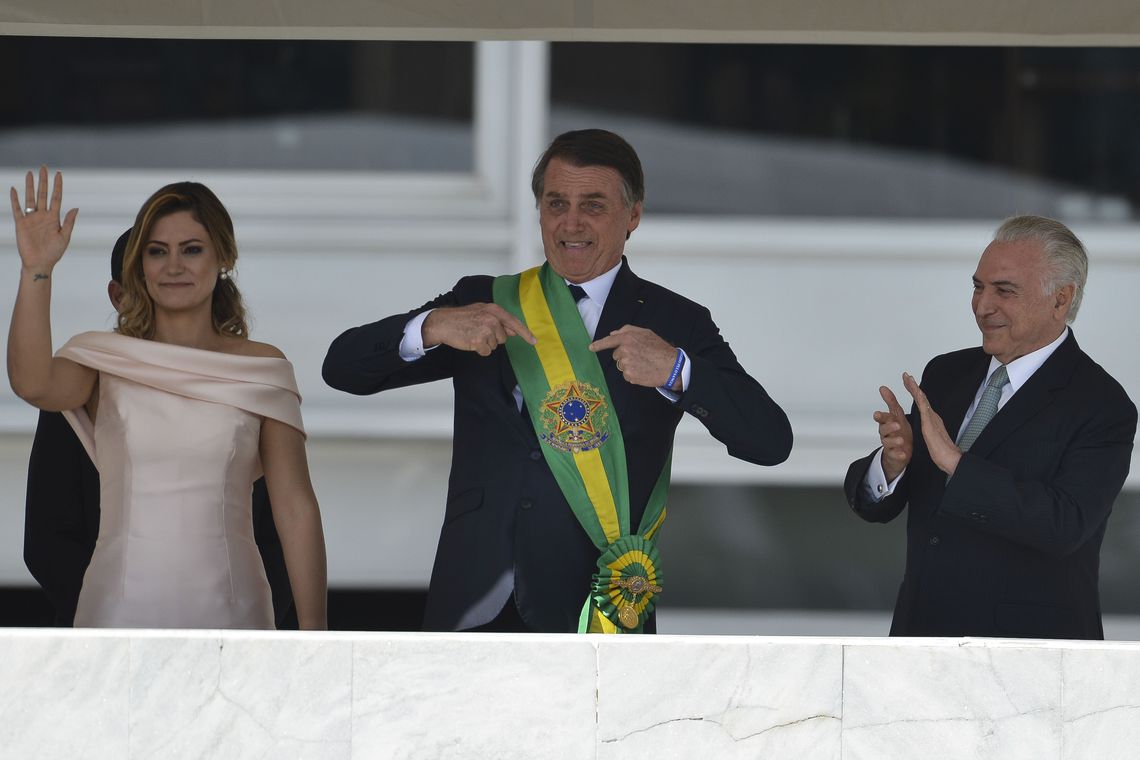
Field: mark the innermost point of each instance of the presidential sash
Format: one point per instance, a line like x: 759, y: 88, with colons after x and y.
x: 569, y: 405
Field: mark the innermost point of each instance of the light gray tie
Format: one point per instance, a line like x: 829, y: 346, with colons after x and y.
x: 986, y: 410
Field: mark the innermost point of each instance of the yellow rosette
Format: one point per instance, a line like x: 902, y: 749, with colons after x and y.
x: 627, y: 583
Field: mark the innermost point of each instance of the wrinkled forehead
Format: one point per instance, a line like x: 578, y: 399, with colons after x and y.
x: 1018, y: 261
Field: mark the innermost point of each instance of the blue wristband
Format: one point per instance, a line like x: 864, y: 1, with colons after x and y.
x: 676, y: 371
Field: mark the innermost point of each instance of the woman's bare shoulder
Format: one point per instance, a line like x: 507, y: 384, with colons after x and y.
x: 247, y: 347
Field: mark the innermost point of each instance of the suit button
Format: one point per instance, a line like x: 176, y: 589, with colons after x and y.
x: 526, y: 504
x: 536, y: 455
x: 700, y: 411
x: 935, y: 540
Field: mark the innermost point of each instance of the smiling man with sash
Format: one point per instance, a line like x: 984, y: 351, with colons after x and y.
x: 570, y: 380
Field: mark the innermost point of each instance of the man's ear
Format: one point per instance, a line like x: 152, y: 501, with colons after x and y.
x: 634, y: 219
x: 1063, y: 299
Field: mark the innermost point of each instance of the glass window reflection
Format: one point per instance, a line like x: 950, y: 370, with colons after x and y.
x: 238, y: 104
x: 866, y: 131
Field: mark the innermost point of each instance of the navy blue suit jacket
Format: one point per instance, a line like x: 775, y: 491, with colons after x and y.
x: 1010, y: 546
x: 505, y: 512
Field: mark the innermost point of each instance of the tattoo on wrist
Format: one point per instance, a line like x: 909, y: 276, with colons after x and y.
x: 39, y: 276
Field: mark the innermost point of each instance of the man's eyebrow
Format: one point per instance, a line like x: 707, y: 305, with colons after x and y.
x: 1003, y: 283
x: 586, y: 196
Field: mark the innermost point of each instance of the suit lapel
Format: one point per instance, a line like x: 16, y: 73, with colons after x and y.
x: 622, y: 305
x: 1031, y: 398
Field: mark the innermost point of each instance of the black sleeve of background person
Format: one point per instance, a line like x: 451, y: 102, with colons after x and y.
x: 61, y: 513
x: 269, y: 544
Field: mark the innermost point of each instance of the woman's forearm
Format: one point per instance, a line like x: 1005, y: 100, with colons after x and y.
x: 303, y: 543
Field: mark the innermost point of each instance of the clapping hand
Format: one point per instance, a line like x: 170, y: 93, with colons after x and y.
x: 895, y: 435
x: 943, y: 451
x: 40, y: 238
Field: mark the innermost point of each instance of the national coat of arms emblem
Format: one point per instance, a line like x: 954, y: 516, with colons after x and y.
x: 574, y: 417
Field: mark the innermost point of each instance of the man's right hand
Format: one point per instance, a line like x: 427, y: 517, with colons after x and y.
x: 895, y: 434
x: 478, y: 327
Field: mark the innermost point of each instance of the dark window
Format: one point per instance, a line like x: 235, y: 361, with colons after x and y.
x: 237, y: 104
x: 798, y: 130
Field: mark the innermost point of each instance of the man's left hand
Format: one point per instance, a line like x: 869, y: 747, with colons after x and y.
x: 943, y: 451
x: 642, y: 357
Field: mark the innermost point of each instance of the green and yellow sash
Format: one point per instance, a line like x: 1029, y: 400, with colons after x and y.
x: 569, y: 406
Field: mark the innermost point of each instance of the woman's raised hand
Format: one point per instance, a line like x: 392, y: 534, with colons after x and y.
x: 38, y: 378
x: 40, y: 237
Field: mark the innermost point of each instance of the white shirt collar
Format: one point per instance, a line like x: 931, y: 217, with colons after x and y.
x: 1022, y: 368
x: 598, y: 289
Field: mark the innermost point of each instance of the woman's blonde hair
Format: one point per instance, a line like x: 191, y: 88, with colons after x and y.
x: 136, y: 317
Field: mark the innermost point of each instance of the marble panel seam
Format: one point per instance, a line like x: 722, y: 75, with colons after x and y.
x: 735, y: 739
x: 1001, y: 684
x: 220, y: 691
x: 597, y: 696
x: 351, y: 697
x: 842, y: 701
x: 1061, y: 705
x: 1114, y: 708
x: 131, y: 657
x: 972, y: 719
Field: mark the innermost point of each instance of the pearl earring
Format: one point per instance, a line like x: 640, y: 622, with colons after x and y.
x: 224, y: 274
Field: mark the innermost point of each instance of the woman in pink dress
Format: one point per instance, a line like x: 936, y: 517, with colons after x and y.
x: 181, y: 412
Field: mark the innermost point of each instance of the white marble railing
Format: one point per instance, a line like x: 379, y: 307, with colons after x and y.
x: 132, y: 694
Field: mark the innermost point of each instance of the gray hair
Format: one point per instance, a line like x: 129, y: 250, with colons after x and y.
x: 1065, y: 257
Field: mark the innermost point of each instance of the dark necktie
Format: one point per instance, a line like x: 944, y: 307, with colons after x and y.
x: 987, y: 408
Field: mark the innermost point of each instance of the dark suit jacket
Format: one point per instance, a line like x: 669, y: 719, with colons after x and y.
x: 61, y: 522
x: 505, y: 512
x: 1011, y: 545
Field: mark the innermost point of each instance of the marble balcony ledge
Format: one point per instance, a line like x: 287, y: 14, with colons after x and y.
x: 213, y: 694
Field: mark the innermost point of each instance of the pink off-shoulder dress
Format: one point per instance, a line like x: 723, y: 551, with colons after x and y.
x: 175, y: 441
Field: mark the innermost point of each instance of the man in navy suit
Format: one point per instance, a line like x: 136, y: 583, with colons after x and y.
x: 513, y: 555
x: 1010, y: 459
x: 61, y: 511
